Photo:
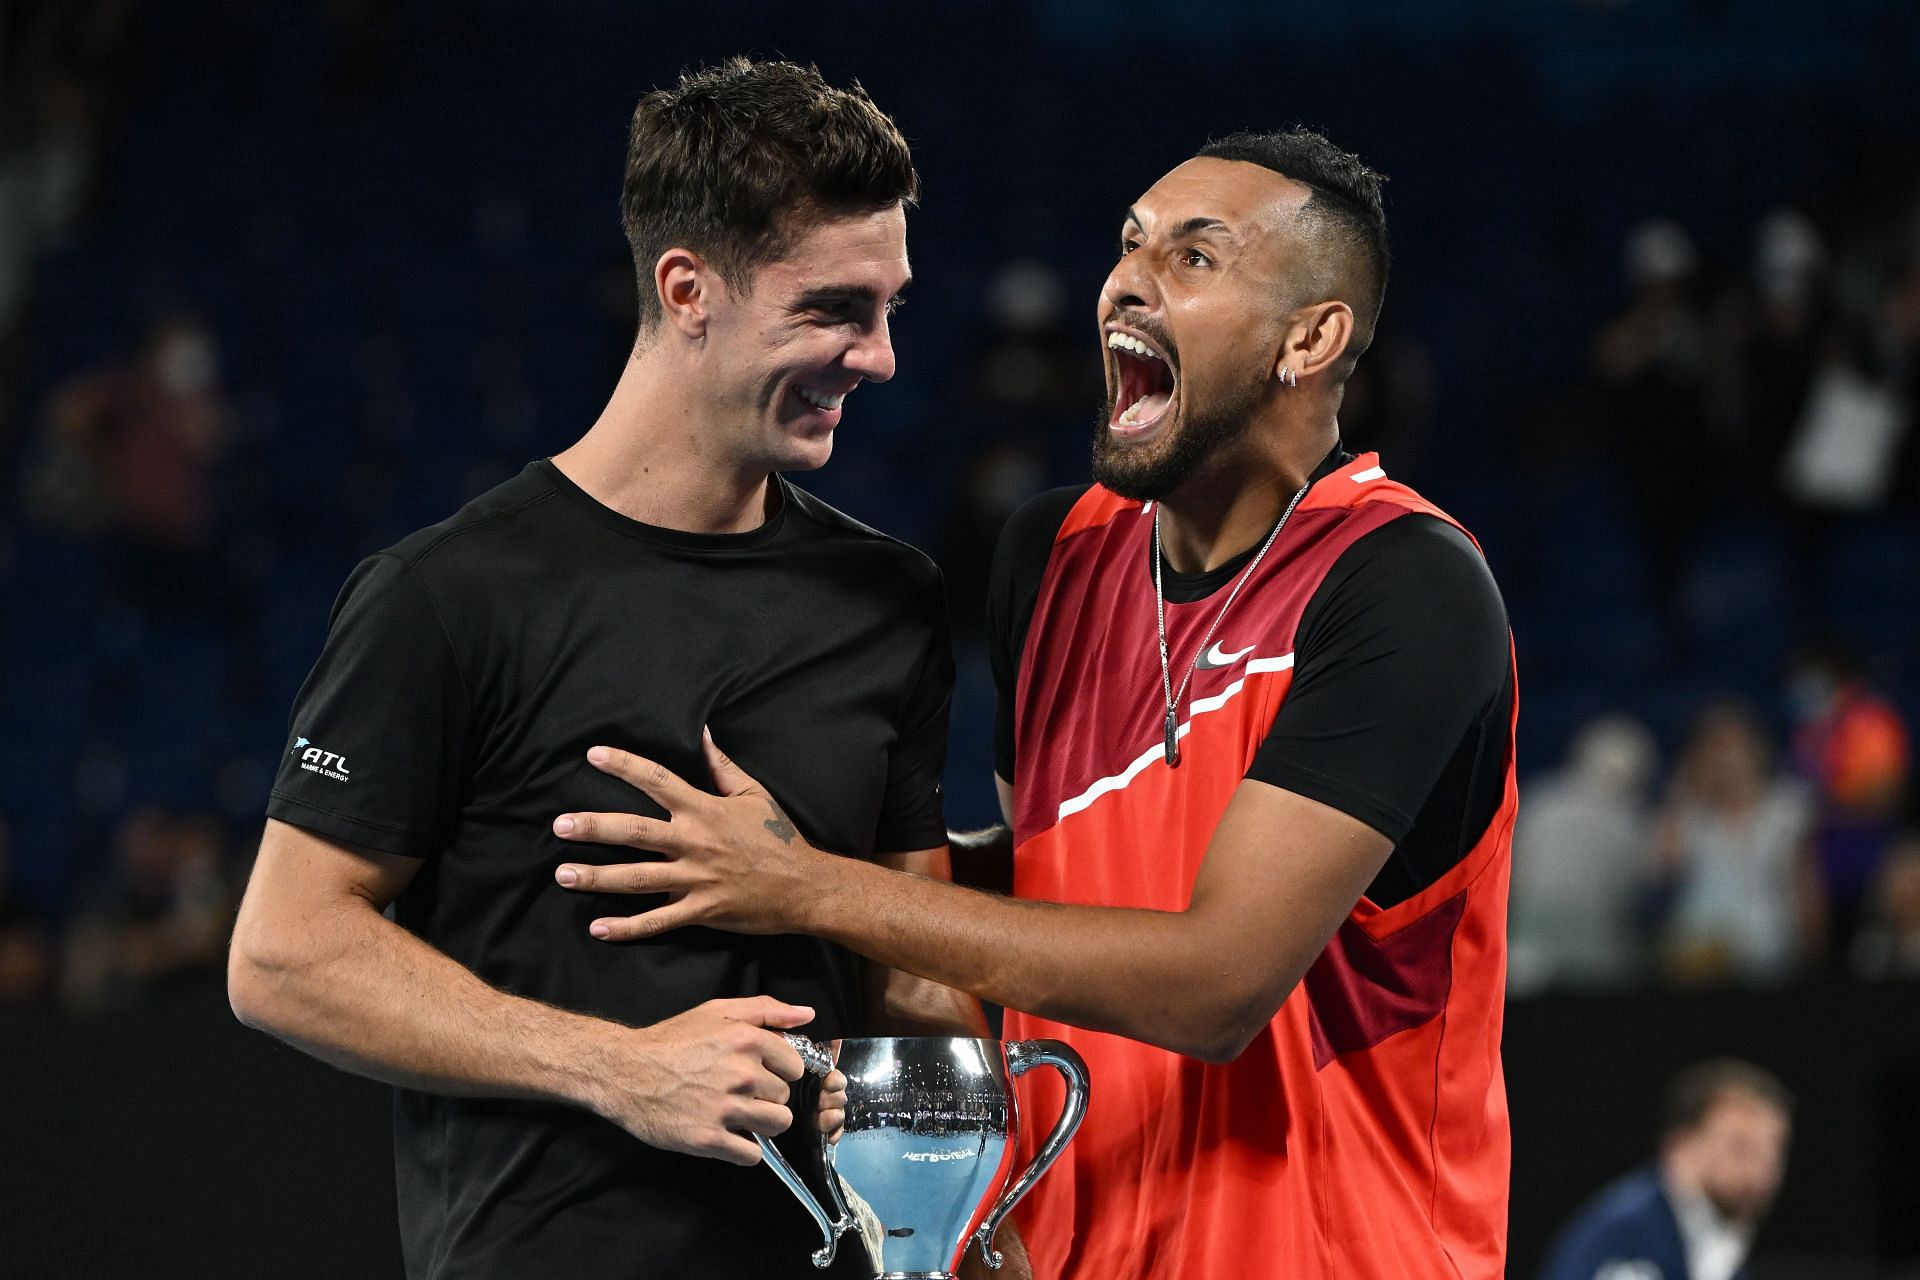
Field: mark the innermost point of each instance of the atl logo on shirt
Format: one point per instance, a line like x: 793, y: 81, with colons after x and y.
x: 328, y: 764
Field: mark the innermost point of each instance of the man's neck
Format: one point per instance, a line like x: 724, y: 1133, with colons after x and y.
x: 1716, y: 1245
x: 652, y: 456
x: 1232, y: 504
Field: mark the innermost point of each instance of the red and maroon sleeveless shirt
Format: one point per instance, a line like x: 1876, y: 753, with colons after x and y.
x: 1363, y: 1133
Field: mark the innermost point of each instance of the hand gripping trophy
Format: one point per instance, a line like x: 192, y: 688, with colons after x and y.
x: 923, y: 1164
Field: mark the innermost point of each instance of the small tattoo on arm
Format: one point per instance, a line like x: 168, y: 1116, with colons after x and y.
x: 781, y: 825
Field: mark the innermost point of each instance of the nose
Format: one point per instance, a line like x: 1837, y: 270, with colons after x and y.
x: 872, y: 355
x: 1129, y: 286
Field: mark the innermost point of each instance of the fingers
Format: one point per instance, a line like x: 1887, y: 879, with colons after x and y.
x: 762, y: 1011
x: 616, y: 828
x: 648, y: 924
x: 730, y: 1147
x: 673, y: 792
x: 623, y: 877
x: 753, y: 1115
x: 782, y: 1058
x: 733, y: 1142
x: 831, y: 1113
x: 728, y: 776
x: 765, y: 1086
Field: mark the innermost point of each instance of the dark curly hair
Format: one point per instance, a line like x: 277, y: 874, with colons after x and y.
x: 733, y: 160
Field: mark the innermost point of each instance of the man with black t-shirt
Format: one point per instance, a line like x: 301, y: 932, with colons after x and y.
x: 655, y: 578
x: 1256, y: 751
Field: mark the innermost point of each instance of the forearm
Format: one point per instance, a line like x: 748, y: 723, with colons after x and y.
x: 356, y: 990
x: 1202, y: 981
x: 905, y: 1004
x: 1148, y: 975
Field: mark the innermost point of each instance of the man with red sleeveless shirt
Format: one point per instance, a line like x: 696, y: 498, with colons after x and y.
x: 1256, y: 749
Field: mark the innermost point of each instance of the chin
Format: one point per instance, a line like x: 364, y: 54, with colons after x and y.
x: 1144, y: 470
x: 1142, y: 483
x: 805, y: 455
x: 1740, y: 1208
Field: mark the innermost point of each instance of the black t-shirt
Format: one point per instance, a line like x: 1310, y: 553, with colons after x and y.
x: 466, y: 672
x: 1400, y: 709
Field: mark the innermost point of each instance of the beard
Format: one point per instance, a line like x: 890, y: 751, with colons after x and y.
x: 1150, y: 472
x: 1738, y: 1205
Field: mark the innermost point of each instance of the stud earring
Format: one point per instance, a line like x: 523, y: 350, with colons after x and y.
x: 1288, y: 376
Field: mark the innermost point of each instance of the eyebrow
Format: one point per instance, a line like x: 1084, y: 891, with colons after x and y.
x: 1192, y: 225
x: 1187, y: 228
x: 851, y: 293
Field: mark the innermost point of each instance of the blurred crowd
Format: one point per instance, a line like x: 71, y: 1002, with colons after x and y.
x: 1779, y: 837
x: 1785, y: 390
x: 161, y: 911
x: 1745, y: 860
x: 59, y: 69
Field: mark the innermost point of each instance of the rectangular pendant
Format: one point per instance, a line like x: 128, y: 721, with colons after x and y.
x: 1173, y: 741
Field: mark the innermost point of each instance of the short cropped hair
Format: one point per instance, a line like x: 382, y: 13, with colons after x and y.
x: 1703, y: 1086
x: 1344, y: 211
x: 733, y: 160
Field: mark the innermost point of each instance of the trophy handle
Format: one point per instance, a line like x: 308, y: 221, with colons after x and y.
x: 1022, y: 1057
x: 819, y: 1064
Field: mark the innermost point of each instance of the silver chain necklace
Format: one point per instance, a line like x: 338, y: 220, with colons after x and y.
x: 1160, y: 610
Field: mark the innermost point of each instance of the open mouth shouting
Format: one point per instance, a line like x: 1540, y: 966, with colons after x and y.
x: 1144, y: 384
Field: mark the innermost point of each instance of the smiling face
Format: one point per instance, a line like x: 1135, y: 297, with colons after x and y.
x: 1192, y: 317
x: 780, y: 358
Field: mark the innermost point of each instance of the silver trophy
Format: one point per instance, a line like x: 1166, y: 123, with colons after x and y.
x: 923, y: 1164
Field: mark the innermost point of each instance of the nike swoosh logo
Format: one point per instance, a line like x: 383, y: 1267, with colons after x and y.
x: 1215, y: 658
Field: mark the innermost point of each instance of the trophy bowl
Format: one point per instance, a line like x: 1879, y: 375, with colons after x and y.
x: 922, y: 1166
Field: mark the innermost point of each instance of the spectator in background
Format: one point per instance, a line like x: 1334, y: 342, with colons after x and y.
x: 1889, y: 943
x: 1769, y: 342
x: 1649, y: 365
x: 130, y: 447
x: 166, y: 912
x: 59, y: 73
x: 1853, y: 746
x: 1731, y: 850
x: 1692, y: 1214
x: 24, y: 957
x: 1842, y: 460
x: 1843, y: 454
x: 1580, y: 862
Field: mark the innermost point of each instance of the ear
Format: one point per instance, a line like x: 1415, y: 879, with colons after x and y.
x: 687, y: 288
x: 1316, y: 339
